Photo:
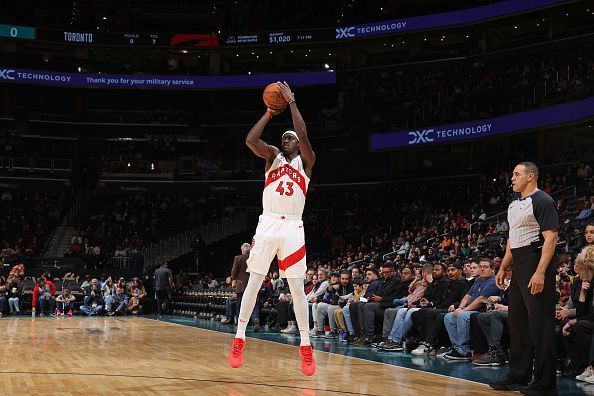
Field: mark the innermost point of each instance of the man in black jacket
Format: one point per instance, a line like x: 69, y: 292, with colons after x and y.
x: 436, y: 291
x: 429, y: 322
x: 391, y: 287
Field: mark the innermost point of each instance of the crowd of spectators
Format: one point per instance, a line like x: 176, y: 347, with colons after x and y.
x: 121, y: 225
x: 465, y: 90
x: 26, y: 221
x: 153, y: 148
x: 56, y: 296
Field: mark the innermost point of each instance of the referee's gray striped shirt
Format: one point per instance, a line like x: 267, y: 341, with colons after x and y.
x: 529, y: 217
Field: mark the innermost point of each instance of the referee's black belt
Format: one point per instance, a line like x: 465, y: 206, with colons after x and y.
x: 533, y: 248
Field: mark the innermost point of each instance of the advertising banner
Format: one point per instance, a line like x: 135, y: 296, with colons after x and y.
x: 548, y: 116
x: 445, y: 19
x: 87, y: 80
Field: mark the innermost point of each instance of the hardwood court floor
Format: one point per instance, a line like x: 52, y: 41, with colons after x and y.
x: 107, y: 355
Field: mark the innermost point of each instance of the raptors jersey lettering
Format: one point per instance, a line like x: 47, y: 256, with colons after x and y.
x: 286, y: 187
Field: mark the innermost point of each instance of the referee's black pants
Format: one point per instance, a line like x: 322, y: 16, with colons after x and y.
x: 532, y: 323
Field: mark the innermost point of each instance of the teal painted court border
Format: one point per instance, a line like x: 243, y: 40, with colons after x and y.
x: 430, y: 364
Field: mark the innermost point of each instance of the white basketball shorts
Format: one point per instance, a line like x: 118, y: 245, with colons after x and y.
x: 281, y: 236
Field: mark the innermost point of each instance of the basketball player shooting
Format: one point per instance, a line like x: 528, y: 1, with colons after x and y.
x: 280, y: 228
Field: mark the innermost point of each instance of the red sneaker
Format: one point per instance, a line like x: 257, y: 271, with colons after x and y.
x: 70, y: 312
x: 236, y: 354
x: 58, y: 313
x: 308, y: 364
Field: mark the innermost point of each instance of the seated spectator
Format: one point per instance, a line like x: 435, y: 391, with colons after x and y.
x: 390, y: 288
x: 276, y: 283
x: 138, y: 294
x: 286, y: 321
x: 492, y: 324
x: 564, y: 282
x: 322, y: 303
x: 433, y: 277
x: 578, y: 332
x: 3, y: 294
x: 107, y: 289
x: 230, y: 310
x: 14, y: 294
x: 212, y: 282
x: 122, y: 283
x: 589, y: 234
x: 344, y: 330
x: 580, y: 295
x: 120, y: 251
x: 368, y: 289
x: 91, y: 292
x: 65, y: 302
x: 119, y: 300
x: 429, y: 322
x: 356, y: 274
x: 264, y: 296
x: 316, y: 295
x: 457, y: 323
x: 86, y: 284
x: 586, y: 212
x: 44, y: 294
x: 93, y: 304
x: 337, y: 294
x: 308, y: 284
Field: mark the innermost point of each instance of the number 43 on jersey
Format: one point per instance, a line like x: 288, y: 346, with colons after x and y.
x: 282, y: 191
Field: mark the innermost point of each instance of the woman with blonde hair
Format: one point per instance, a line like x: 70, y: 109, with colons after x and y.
x: 578, y: 333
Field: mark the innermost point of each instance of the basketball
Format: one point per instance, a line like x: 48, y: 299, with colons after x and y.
x: 273, y: 98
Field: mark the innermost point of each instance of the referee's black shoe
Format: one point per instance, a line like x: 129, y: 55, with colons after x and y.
x: 507, y: 384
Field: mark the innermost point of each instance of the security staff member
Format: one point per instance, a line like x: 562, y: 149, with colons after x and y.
x: 533, y: 234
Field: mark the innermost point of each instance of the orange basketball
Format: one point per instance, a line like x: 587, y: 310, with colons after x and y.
x: 273, y: 98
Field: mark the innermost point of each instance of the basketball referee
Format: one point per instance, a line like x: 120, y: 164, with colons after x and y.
x: 533, y: 228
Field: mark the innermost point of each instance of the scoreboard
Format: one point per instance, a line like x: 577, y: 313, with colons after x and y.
x: 106, y: 38
x: 126, y: 38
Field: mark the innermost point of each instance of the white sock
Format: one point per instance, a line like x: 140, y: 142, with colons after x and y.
x: 300, y: 307
x: 248, y: 301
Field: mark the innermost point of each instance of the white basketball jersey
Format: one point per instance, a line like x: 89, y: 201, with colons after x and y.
x: 286, y: 187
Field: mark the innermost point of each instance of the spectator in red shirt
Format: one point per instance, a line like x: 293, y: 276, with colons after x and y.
x: 44, y: 293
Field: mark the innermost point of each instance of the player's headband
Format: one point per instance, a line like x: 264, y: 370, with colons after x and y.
x: 292, y: 133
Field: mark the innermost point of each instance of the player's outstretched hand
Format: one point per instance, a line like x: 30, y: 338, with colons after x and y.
x: 286, y: 91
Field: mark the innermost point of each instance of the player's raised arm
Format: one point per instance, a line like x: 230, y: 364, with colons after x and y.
x: 257, y: 145
x: 307, y: 154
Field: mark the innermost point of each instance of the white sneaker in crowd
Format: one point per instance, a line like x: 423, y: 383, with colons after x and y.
x: 289, y: 330
x: 590, y: 379
x: 589, y: 372
x: 422, y: 349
